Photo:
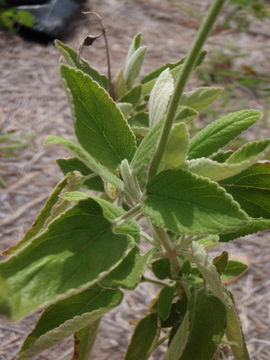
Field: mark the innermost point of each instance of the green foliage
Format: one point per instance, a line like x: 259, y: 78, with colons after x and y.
x: 85, y: 245
x: 12, y: 19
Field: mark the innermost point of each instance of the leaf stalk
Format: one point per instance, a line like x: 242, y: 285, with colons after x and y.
x: 127, y: 216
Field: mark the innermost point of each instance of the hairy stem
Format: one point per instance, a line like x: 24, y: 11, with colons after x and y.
x: 127, y: 216
x: 181, y: 82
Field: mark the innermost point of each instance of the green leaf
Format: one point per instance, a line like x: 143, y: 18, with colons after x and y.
x: 254, y: 226
x: 25, y: 18
x: 162, y: 269
x: 129, y: 273
x: 250, y: 151
x: 209, y: 272
x: 119, y: 85
x: 222, y: 131
x: 186, y: 203
x: 177, y: 313
x: 235, y: 334
x: 135, y: 44
x: 133, y: 66
x: 69, y: 257
x: 99, y: 125
x: 221, y: 262
x: 179, y: 341
x: 209, y: 241
x: 185, y: 114
x: 251, y: 189
x: 160, y: 97
x: 155, y: 74
x: 110, y: 211
x: 200, y: 98
x: 177, y: 146
x: 140, y: 131
x: 143, y: 338
x: 140, y: 119
x: 233, y: 270
x: 72, y: 164
x: 71, y: 57
x: 146, y: 151
x: 221, y: 156
x: 133, y: 96
x: 165, y: 302
x: 67, y: 317
x: 240, y: 160
x: 125, y: 109
x: 86, y: 159
x: 84, y: 340
x: 42, y: 217
x: 208, y: 317
x: 149, y: 80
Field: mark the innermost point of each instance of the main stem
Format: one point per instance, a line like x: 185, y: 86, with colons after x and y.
x: 181, y: 82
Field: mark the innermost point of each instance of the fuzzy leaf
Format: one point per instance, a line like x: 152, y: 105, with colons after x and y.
x: 155, y: 74
x: 200, y: 98
x: 220, y: 132
x: 162, y: 269
x: 221, y: 156
x: 72, y: 164
x: 75, y: 247
x: 84, y: 340
x: 254, y: 226
x: 185, y: 114
x: 125, y: 109
x: 146, y: 150
x: 133, y: 96
x: 165, y: 302
x: 149, y: 80
x: 252, y: 150
x: 179, y: 340
x: 209, y: 241
x: 177, y: 146
x: 100, y: 126
x: 208, y: 317
x: 71, y: 58
x: 209, y: 272
x: 133, y: 66
x: 240, y: 160
x: 143, y: 338
x: 140, y: 119
x: 234, y: 333
x: 251, y: 189
x: 189, y: 204
x: 128, y: 274
x: 233, y: 270
x: 160, y: 97
x: 221, y: 262
x: 86, y: 159
x: 110, y: 211
x: 119, y: 85
x: 67, y: 317
x: 135, y: 44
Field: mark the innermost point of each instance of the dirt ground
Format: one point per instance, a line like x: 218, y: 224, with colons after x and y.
x: 33, y: 103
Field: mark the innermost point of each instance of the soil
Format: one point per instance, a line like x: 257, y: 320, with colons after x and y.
x: 33, y: 104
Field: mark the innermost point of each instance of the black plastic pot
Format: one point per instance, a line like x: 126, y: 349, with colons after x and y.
x: 53, y: 19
